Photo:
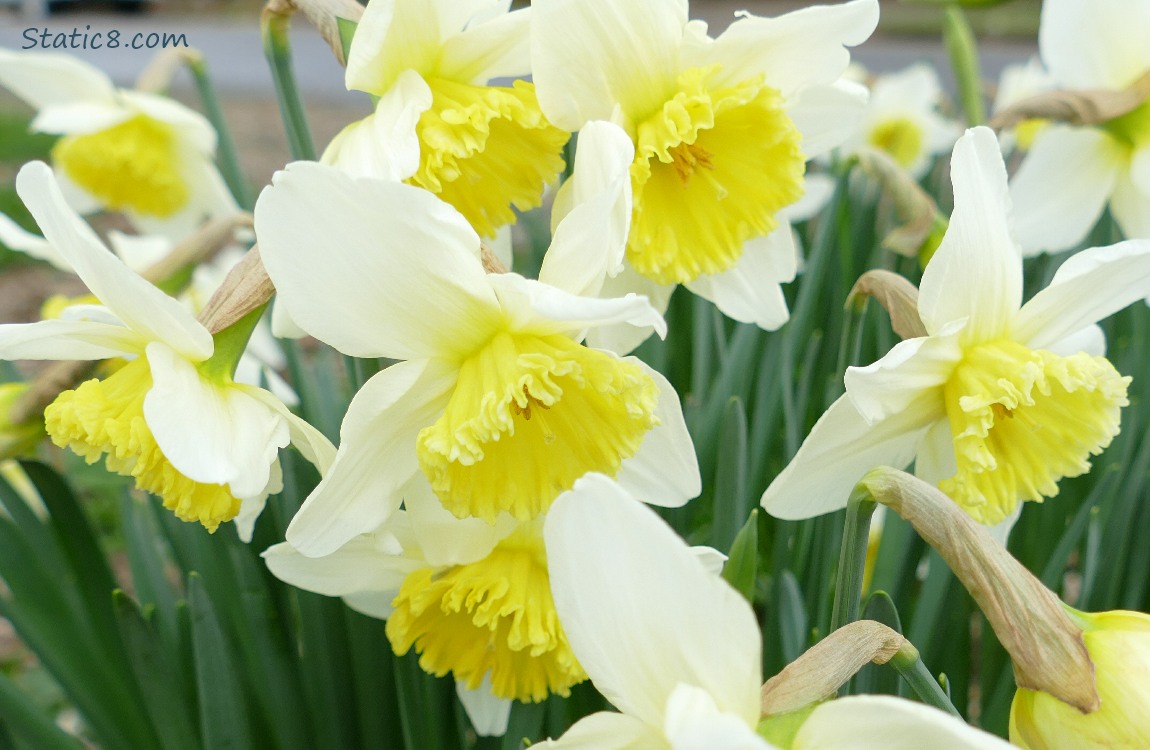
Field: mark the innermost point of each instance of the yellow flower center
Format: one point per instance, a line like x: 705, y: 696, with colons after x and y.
x: 492, y: 616
x: 900, y: 137
x: 106, y: 417
x: 1022, y: 420
x: 1132, y: 128
x: 484, y: 149
x: 53, y: 308
x: 529, y: 415
x: 134, y: 165
x: 711, y: 170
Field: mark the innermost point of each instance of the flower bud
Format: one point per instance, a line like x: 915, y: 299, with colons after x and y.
x: 1119, y: 645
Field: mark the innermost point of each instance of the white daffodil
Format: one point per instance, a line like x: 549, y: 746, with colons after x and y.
x: 678, y: 651
x: 722, y: 130
x: 1071, y: 174
x: 471, y: 598
x: 497, y: 403
x: 262, y: 358
x: 438, y: 124
x: 1000, y: 400
x: 142, y: 154
x: 173, y: 418
x: 1020, y: 81
x: 902, y: 119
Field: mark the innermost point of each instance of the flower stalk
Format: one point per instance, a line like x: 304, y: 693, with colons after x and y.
x: 275, y: 27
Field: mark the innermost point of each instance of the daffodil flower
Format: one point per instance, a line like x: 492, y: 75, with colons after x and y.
x: 438, y: 124
x: 472, y: 598
x: 130, y: 151
x: 1020, y: 81
x: 902, y: 119
x: 497, y: 402
x: 678, y: 651
x: 1000, y: 400
x: 722, y: 130
x: 1070, y: 174
x: 173, y: 418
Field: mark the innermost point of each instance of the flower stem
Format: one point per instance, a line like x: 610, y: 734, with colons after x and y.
x: 963, y: 51
x: 852, y: 559
x: 229, y: 157
x: 277, y: 49
x: 909, y: 664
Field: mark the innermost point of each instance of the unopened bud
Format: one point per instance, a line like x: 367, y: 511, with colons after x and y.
x: 918, y: 224
x: 898, y: 297
x: 1119, y: 645
x: 1044, y: 641
x: 323, y: 14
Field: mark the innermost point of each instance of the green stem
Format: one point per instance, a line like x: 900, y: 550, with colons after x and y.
x: 277, y: 48
x: 852, y: 559
x: 909, y: 664
x: 229, y: 157
x: 230, y: 344
x: 963, y: 51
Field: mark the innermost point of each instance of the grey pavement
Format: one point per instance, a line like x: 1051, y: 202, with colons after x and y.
x: 235, y: 54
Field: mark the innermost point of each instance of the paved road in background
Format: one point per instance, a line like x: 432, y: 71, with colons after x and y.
x: 235, y: 54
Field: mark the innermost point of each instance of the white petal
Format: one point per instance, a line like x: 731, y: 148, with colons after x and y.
x: 751, y: 292
x: 245, y: 520
x: 15, y: 237
x: 911, y: 370
x: 139, y: 251
x: 841, y: 448
x: 590, y: 242
x: 935, y: 460
x: 1062, y: 186
x: 590, y: 55
x: 489, y: 715
x: 977, y: 271
x: 376, y: 456
x: 191, y: 128
x: 384, y: 144
x: 211, y: 433
x: 608, y: 731
x: 1091, y: 340
x: 1140, y: 169
x: 404, y: 282
x: 710, y: 558
x: 817, y: 191
x: 1000, y: 532
x: 804, y: 48
x: 874, y: 722
x: 1128, y: 206
x: 1094, y: 45
x: 641, y: 613
x: 623, y: 338
x: 79, y: 117
x: 67, y: 339
x: 499, y: 48
x: 393, y: 36
x: 142, y: 307
x: 1089, y: 287
x: 827, y: 115
x: 694, y: 722
x: 664, y: 471
x: 45, y: 79
x: 310, y: 442
x: 534, y: 307
x: 371, y: 603
x: 443, y: 538
x: 364, y: 563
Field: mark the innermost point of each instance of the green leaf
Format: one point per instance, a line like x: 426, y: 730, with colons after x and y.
x: 792, y: 614
x: 732, y: 500
x: 171, y: 711
x: 223, y: 714
x: 28, y: 722
x: 743, y: 560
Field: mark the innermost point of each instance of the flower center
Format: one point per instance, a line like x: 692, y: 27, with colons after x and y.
x: 1132, y: 128
x: 486, y: 148
x: 107, y: 417
x: 529, y: 415
x: 711, y: 170
x: 492, y: 616
x: 134, y: 165
x: 1022, y: 420
x: 900, y: 137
